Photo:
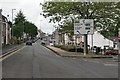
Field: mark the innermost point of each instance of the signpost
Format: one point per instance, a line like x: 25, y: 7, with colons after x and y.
x: 119, y: 40
x: 84, y: 27
x: 77, y: 28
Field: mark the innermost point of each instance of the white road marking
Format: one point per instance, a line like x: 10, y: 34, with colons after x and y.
x: 95, y: 61
x: 1, y: 59
x: 5, y: 54
x: 111, y: 64
x: 84, y: 60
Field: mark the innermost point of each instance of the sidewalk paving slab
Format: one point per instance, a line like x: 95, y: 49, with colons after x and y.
x: 64, y: 53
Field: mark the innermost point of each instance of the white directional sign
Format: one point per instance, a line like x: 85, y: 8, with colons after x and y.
x: 119, y: 34
x: 77, y: 28
x: 85, y: 26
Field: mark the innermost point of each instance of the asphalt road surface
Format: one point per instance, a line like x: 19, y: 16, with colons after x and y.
x: 39, y: 62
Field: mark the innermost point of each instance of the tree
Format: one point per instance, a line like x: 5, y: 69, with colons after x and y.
x: 20, y: 18
x: 18, y: 31
x: 18, y: 27
x: 103, y: 13
x: 22, y: 26
x: 30, y: 29
x: 67, y: 27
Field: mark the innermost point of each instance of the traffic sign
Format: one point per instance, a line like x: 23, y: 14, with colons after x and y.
x: 77, y: 28
x: 84, y: 26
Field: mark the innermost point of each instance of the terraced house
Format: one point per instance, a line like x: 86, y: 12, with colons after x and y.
x: 6, y: 31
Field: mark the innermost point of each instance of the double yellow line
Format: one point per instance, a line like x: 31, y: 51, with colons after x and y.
x: 8, y: 54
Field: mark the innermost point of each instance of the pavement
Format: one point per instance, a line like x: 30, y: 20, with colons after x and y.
x: 64, y: 53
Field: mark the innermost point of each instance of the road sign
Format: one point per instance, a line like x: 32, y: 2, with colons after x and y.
x: 84, y: 26
x: 119, y: 33
x: 87, y: 26
x: 76, y: 28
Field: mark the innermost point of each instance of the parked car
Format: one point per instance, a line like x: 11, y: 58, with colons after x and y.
x: 110, y: 52
x: 29, y: 42
x: 43, y: 43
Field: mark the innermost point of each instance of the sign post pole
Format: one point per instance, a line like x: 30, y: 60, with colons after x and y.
x: 83, y: 27
x: 119, y: 41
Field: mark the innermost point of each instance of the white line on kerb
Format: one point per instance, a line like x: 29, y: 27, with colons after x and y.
x: 11, y: 54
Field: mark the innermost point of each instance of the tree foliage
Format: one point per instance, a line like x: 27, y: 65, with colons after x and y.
x: 30, y: 29
x: 20, y: 18
x: 18, y: 27
x: 18, y: 30
x: 105, y: 14
x: 22, y: 26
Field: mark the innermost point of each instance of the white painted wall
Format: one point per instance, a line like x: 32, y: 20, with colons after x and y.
x: 99, y: 40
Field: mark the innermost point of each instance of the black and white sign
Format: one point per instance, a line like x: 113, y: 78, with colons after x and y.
x: 85, y: 26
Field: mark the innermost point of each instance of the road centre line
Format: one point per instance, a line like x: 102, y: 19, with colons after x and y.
x: 3, y: 58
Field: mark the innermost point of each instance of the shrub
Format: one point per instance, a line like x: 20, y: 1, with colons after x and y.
x: 69, y: 48
x: 57, y: 45
x: 18, y: 42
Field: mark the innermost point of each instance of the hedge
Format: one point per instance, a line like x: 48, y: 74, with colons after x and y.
x: 69, y: 48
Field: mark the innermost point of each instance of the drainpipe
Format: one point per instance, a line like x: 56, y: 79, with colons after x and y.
x: 6, y: 33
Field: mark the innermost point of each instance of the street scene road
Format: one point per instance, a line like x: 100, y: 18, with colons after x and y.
x: 72, y: 39
x: 39, y: 62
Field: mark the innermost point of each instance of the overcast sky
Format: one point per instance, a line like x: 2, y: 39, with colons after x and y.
x: 31, y: 10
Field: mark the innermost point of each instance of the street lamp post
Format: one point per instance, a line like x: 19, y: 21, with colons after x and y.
x: 12, y: 22
x: 41, y: 29
x: 23, y: 32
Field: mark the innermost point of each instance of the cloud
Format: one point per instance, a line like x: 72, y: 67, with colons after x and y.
x: 30, y: 8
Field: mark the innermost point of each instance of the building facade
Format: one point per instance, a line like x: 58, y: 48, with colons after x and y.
x: 6, y: 31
